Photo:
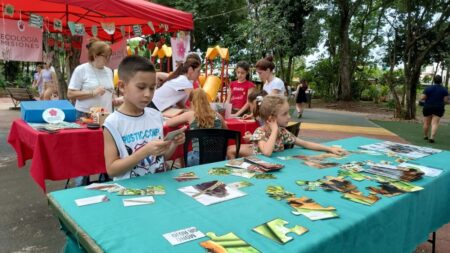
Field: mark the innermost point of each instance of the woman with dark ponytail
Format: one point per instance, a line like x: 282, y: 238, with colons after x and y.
x: 272, y: 84
x: 176, y: 89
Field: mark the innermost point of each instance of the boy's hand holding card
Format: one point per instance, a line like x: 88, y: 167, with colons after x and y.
x: 171, y: 135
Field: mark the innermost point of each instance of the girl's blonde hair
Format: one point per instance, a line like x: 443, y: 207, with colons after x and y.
x: 97, y: 47
x: 203, y: 112
x: 270, y: 106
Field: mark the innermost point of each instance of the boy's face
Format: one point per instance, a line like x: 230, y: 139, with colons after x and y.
x: 283, y: 116
x: 140, y: 89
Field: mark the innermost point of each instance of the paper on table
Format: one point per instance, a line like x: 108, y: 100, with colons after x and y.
x: 430, y: 172
x: 91, y: 200
x: 147, y: 200
x: 207, y: 200
x: 183, y: 235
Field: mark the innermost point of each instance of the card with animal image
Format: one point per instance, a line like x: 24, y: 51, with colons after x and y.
x: 211, y: 192
x: 266, y: 166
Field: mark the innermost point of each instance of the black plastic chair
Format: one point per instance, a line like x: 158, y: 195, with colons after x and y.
x: 212, y: 142
x: 295, y: 130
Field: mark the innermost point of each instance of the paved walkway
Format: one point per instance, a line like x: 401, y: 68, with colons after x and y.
x: 323, y: 125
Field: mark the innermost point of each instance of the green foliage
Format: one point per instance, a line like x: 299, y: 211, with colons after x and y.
x: 321, y: 78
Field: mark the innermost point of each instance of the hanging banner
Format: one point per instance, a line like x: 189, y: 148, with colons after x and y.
x: 119, y: 51
x: 8, y: 10
x: 150, y: 24
x: 122, y: 30
x: 109, y: 28
x: 57, y: 24
x: 180, y: 47
x: 20, y: 46
x: 94, y: 30
x: 137, y: 31
x: 36, y: 21
x: 76, y: 29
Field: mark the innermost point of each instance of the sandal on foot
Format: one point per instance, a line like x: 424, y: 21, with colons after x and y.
x: 431, y: 140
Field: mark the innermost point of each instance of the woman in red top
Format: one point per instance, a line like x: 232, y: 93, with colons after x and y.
x: 240, y: 89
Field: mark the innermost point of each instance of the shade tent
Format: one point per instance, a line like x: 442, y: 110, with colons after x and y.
x: 92, y: 13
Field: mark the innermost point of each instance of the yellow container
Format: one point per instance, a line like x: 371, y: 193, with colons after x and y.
x: 116, y: 78
x: 212, y: 86
x: 129, y: 51
x: 201, y: 80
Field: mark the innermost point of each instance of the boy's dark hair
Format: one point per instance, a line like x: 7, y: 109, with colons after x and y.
x: 437, y: 79
x: 132, y: 64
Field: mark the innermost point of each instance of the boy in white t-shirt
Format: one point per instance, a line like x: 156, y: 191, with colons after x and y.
x: 133, y: 133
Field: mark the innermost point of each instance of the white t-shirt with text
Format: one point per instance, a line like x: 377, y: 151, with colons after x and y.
x: 130, y: 133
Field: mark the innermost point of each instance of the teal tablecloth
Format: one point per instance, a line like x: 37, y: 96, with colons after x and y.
x: 396, y: 224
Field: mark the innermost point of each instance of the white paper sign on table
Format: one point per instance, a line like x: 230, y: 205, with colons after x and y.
x: 91, y: 200
x: 147, y: 200
x: 183, y: 235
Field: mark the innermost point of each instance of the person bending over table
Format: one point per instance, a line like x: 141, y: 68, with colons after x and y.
x: 272, y: 136
x: 272, y: 84
x: 133, y: 134
x: 200, y: 116
x: 177, y: 87
x: 91, y: 84
x: 435, y: 98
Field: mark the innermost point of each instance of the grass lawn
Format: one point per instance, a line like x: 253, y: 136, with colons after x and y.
x: 412, y: 132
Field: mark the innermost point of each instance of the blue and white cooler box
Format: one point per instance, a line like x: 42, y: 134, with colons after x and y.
x: 31, y: 111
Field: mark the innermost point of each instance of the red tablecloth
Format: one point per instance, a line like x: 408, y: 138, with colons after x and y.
x: 72, y: 153
x: 64, y: 155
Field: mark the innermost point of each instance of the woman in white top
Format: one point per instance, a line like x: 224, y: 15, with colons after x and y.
x: 177, y: 87
x: 272, y: 84
x: 91, y: 83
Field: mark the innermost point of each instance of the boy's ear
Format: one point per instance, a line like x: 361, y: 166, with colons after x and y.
x: 121, y: 85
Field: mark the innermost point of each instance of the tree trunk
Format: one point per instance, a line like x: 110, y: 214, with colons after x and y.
x: 289, y: 71
x: 446, y: 77
x: 344, y: 53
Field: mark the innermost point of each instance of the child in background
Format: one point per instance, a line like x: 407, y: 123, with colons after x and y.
x: 271, y: 137
x: 240, y: 89
x: 254, y: 100
x: 133, y: 133
x: 200, y: 116
x: 38, y: 81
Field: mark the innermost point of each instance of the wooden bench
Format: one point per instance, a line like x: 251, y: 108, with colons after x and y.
x: 18, y: 95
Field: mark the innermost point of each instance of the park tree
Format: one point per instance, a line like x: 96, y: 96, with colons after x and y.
x: 417, y: 29
x: 213, y: 20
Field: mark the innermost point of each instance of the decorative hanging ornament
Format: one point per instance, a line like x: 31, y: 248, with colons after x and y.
x: 57, y: 24
x: 76, y: 28
x: 36, y: 21
x: 137, y: 31
x: 150, y: 24
x: 94, y: 30
x: 109, y: 27
x: 122, y: 30
x: 8, y: 10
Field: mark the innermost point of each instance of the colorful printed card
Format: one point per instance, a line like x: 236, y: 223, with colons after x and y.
x: 228, y: 243
x: 276, y: 230
x: 311, y: 209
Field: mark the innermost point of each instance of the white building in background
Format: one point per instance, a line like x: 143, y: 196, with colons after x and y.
x: 430, y: 70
